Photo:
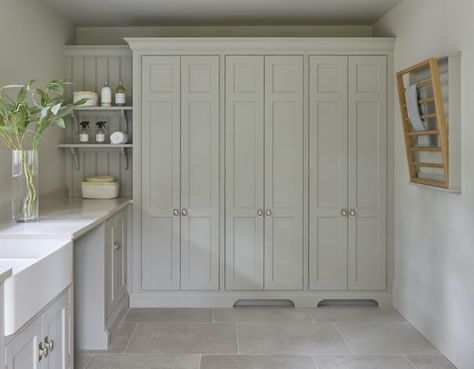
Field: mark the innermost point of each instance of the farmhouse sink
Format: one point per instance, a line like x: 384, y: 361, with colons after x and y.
x: 41, y: 270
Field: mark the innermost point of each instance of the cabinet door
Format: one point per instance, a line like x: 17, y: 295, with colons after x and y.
x: 56, y: 325
x: 284, y: 172
x: 160, y: 113
x: 367, y: 172
x: 23, y: 351
x: 328, y: 173
x: 244, y: 172
x: 200, y: 172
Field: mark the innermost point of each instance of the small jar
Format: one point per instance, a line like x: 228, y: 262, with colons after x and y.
x: 120, y: 95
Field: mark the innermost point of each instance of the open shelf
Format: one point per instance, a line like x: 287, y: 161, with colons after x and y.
x: 103, y: 108
x: 73, y: 148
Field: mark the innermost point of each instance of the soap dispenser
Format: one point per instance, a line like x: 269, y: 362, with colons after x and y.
x: 84, y: 133
x: 106, y: 96
x: 100, y: 134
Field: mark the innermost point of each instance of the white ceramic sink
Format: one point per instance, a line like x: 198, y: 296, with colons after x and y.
x: 42, y: 269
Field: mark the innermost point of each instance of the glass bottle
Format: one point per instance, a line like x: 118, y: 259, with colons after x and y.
x: 120, y: 95
x: 84, y: 133
x: 106, y: 96
x: 100, y: 133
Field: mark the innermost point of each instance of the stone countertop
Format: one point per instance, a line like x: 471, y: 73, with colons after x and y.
x: 64, y: 217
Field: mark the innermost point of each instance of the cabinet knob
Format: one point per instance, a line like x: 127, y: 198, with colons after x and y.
x: 43, y: 351
x: 344, y: 212
x: 352, y: 213
x: 268, y: 213
x: 117, y: 245
x: 260, y: 212
x: 184, y: 212
x: 176, y: 212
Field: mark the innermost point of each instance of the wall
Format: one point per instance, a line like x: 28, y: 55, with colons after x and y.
x: 115, y: 35
x: 434, y: 230
x: 32, y: 39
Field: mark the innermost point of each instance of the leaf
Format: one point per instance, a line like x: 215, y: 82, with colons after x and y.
x: 60, y: 123
x: 21, y: 95
x: 55, y: 108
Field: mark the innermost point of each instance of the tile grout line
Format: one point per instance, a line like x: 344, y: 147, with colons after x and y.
x: 131, y: 338
x: 308, y: 310
x: 343, y: 338
x: 408, y: 359
x: 314, y: 362
x: 200, y: 361
x: 88, y: 363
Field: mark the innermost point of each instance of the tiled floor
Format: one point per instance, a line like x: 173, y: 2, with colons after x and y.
x: 265, y: 338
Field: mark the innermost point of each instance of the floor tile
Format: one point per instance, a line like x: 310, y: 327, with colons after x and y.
x: 262, y: 314
x: 169, y: 315
x: 362, y: 362
x: 285, y: 338
x: 144, y: 361
x: 81, y: 359
x: 256, y: 362
x: 385, y: 338
x: 357, y: 314
x: 120, y: 337
x: 199, y: 338
x: 431, y: 362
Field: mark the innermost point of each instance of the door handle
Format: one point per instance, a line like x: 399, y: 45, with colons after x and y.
x: 175, y: 212
x: 260, y: 212
x: 117, y: 246
x: 184, y: 212
x: 344, y: 212
x: 352, y: 213
x: 49, y: 344
x: 268, y: 213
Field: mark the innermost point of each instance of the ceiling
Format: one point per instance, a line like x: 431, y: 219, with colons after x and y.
x: 221, y: 12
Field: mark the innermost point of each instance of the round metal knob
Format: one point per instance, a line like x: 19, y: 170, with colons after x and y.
x: 117, y: 245
x: 184, y: 212
x: 344, y: 212
x: 268, y: 213
x: 260, y: 212
x: 175, y: 212
x: 352, y: 213
x: 49, y: 344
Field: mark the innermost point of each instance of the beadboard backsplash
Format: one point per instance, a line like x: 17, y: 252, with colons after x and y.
x: 88, y: 67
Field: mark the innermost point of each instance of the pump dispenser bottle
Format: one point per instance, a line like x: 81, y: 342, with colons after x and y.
x: 99, y: 133
x: 84, y: 133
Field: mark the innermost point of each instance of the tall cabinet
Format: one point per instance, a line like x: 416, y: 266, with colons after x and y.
x: 180, y: 169
x: 260, y: 170
x: 348, y: 173
x: 264, y: 172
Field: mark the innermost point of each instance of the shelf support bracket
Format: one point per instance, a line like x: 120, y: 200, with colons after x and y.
x: 123, y: 115
x: 75, y: 155
x: 124, y: 153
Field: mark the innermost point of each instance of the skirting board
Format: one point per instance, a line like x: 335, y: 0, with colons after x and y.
x: 227, y: 300
x: 459, y: 350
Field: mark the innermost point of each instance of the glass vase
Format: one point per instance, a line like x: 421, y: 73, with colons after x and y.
x: 25, y: 198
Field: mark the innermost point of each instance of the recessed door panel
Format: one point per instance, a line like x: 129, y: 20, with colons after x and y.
x: 284, y: 172
x: 161, y: 173
x: 244, y: 172
x: 328, y: 173
x: 200, y: 172
x: 368, y: 172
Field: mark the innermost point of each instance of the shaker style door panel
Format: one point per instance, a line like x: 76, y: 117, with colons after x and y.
x: 56, y: 327
x: 23, y: 351
x: 284, y: 172
x: 367, y: 172
x: 200, y: 172
x: 119, y: 258
x: 160, y: 172
x: 244, y: 172
x: 328, y: 173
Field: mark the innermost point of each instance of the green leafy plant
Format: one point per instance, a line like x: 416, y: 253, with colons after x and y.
x: 24, y: 120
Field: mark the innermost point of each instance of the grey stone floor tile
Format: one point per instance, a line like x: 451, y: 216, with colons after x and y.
x: 290, y: 338
x: 120, y: 337
x: 385, y: 339
x: 431, y: 362
x: 358, y: 314
x: 262, y: 314
x: 362, y: 362
x: 169, y: 315
x: 198, y: 338
x: 81, y: 359
x: 144, y: 361
x: 256, y: 362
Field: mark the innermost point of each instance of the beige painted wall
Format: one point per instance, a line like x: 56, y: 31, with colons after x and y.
x: 434, y: 231
x: 115, y: 35
x: 32, y: 39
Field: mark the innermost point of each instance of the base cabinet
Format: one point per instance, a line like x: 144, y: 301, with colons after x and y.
x: 100, y: 282
x: 46, y: 342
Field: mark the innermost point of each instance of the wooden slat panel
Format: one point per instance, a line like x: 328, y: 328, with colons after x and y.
x: 427, y: 165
